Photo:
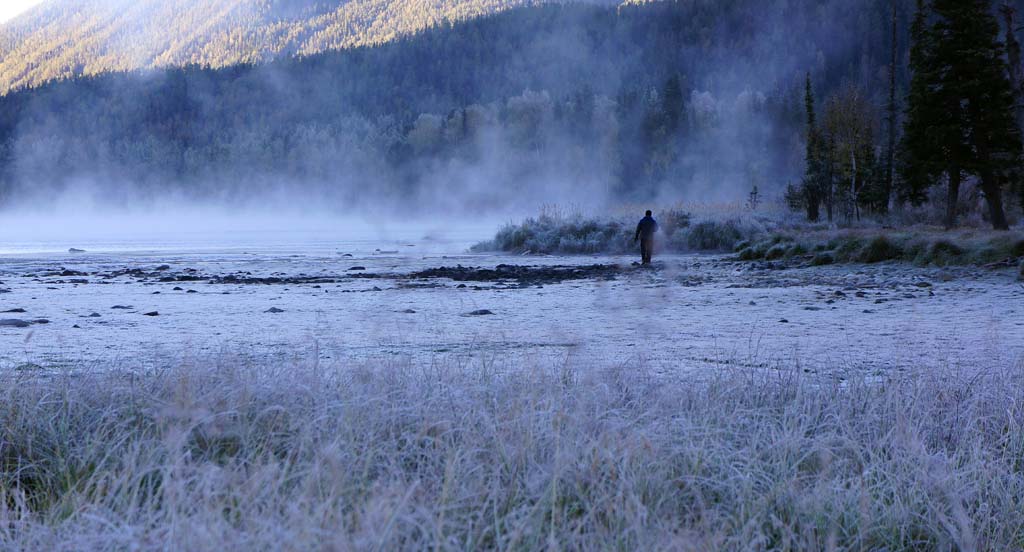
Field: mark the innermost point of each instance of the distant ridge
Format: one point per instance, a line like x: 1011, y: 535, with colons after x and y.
x: 62, y: 39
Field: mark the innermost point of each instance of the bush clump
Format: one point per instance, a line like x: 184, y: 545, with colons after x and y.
x: 548, y: 235
x: 775, y: 252
x: 714, y: 236
x: 942, y: 253
x: 822, y: 259
x: 879, y: 249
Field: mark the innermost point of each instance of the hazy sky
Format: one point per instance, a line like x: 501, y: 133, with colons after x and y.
x: 11, y: 8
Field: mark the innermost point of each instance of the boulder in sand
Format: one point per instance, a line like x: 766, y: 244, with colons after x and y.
x: 274, y: 310
x: 76, y: 250
x: 481, y: 312
x: 14, y: 323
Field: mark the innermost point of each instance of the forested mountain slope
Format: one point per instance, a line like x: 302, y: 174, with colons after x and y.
x: 65, y: 38
x: 670, y: 100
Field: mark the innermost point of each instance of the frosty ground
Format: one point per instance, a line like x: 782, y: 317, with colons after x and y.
x: 368, y: 300
x: 401, y: 395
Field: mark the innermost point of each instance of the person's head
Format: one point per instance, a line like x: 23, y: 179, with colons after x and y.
x: 648, y: 213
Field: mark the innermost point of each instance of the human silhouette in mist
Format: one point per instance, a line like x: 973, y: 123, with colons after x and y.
x: 645, y: 233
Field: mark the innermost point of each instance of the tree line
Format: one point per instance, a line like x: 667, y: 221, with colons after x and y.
x: 960, y: 122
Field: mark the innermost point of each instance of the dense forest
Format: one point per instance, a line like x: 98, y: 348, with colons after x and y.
x: 584, y: 103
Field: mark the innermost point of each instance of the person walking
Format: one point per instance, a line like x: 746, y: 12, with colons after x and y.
x: 645, y: 234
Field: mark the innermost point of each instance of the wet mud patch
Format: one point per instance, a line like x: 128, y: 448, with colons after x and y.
x: 521, y: 275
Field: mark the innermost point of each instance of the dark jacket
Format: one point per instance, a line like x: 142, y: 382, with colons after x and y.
x: 646, y: 229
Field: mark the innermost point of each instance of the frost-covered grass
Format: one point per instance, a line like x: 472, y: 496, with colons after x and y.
x: 922, y: 247
x: 452, y: 456
x: 613, y: 234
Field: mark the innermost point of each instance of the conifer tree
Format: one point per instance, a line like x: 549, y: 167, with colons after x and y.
x: 812, y: 186
x: 960, y: 117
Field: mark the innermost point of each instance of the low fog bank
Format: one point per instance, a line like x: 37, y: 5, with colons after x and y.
x: 273, y: 227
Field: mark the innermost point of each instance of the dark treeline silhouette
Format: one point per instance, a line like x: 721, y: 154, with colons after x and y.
x: 663, y: 99
x: 962, y: 123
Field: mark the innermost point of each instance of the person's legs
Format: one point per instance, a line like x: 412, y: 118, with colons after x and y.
x: 646, y: 249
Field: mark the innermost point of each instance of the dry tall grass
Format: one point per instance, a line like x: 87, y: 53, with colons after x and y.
x: 472, y: 456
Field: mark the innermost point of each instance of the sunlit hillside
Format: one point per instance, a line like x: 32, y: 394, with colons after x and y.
x: 61, y: 39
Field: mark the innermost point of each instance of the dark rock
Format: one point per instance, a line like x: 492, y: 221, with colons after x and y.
x: 783, y: 321
x: 14, y: 323
x: 354, y: 268
x: 122, y: 307
x: 274, y: 310
x: 77, y: 326
x: 177, y: 288
x: 95, y: 315
x: 14, y: 311
x: 76, y: 250
x: 191, y: 291
x: 923, y: 284
x: 481, y: 312
x: 154, y: 313
x: 408, y: 311
x: 40, y: 321
x: 163, y: 267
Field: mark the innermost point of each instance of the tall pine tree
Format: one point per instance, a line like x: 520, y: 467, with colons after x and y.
x: 960, y: 116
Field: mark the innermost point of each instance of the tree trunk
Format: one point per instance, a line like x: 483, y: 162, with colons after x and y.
x: 994, y: 198
x: 952, y: 196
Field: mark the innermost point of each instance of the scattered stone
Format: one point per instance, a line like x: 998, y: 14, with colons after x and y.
x: 375, y: 288
x: 77, y: 326
x: 163, y: 267
x: 460, y: 286
x: 191, y: 291
x: 274, y: 310
x: 923, y: 284
x: 154, y: 313
x: 28, y: 367
x: 14, y: 323
x: 839, y: 294
x: 481, y: 312
x: 752, y: 304
x: 868, y: 311
x: 14, y: 311
x: 122, y: 307
x: 355, y: 268
x: 40, y: 321
x: 155, y: 293
x: 783, y: 321
x: 177, y: 288
x: 812, y: 308
x: 95, y: 315
x: 76, y: 250
x: 408, y: 311
x: 861, y: 294
x: 347, y: 255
